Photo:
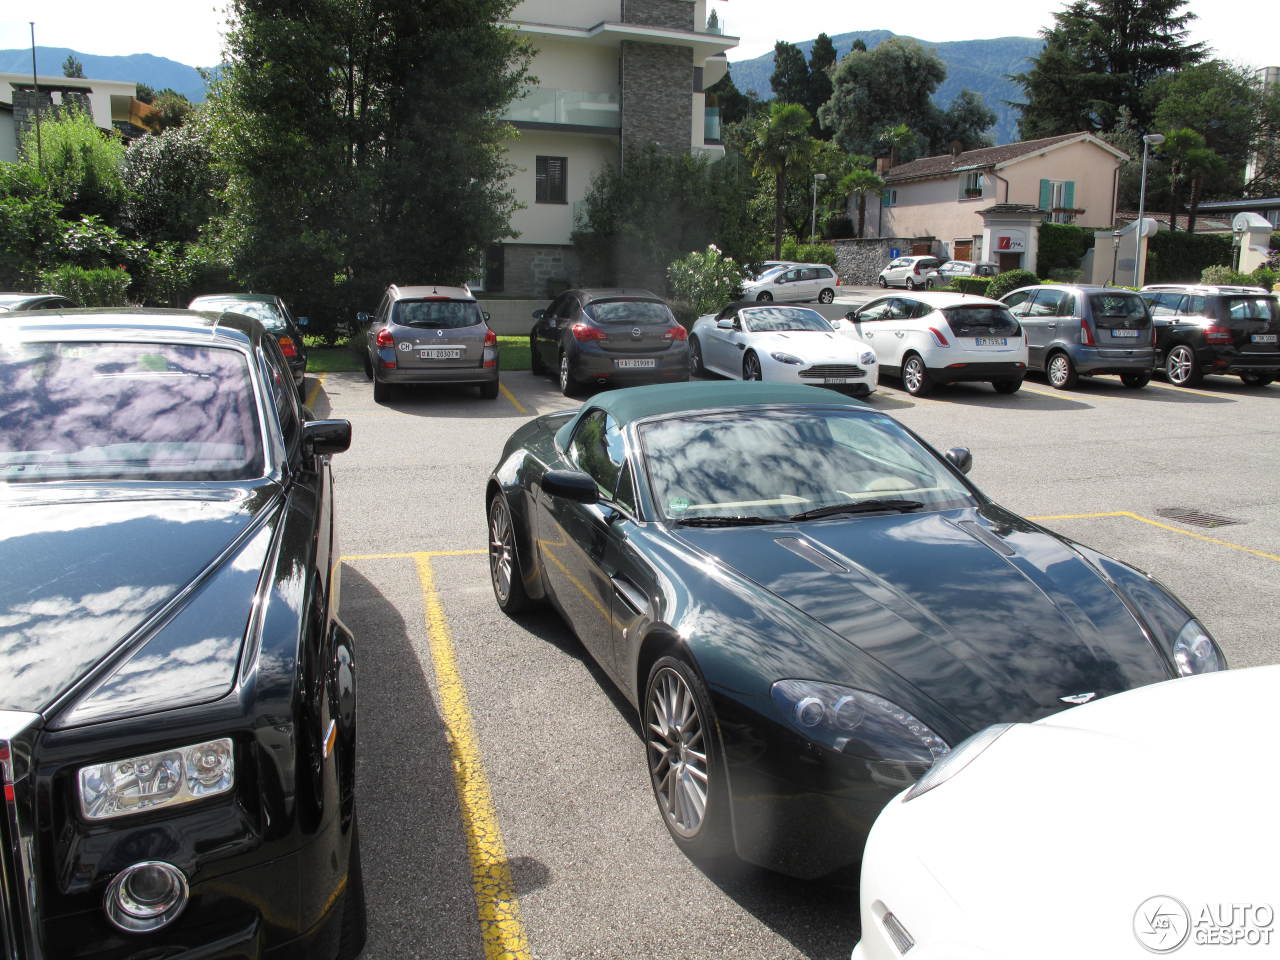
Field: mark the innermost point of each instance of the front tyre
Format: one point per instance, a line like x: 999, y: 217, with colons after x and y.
x: 351, y: 936
x: 568, y: 384
x: 751, y: 367
x: 827, y: 296
x: 764, y: 296
x: 883, y: 282
x: 683, y: 755
x: 915, y: 376
x: 504, y: 564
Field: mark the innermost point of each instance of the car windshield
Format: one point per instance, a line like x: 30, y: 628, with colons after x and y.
x: 14, y: 301
x: 981, y: 320
x: 126, y: 411
x: 262, y: 311
x: 627, y: 311
x: 1252, y: 308
x: 437, y: 313
x: 778, y: 463
x: 776, y: 319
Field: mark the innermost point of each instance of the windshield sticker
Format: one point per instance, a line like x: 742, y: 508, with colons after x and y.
x: 677, y: 505
x: 154, y: 362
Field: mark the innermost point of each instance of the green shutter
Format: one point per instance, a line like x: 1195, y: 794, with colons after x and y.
x: 1069, y: 195
x: 1046, y: 194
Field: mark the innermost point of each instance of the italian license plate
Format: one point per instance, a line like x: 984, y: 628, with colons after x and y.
x: 441, y: 353
x: 1263, y: 338
x: 631, y: 364
x: 1124, y: 333
x: 990, y: 341
x: 835, y: 379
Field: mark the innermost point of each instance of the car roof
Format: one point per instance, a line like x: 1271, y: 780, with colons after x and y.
x: 937, y: 298
x: 591, y: 294
x: 134, y: 323
x: 1081, y: 287
x: 1202, y: 288
x: 248, y: 297
x: 422, y: 291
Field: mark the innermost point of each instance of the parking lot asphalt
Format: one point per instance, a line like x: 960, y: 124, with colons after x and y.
x: 504, y: 805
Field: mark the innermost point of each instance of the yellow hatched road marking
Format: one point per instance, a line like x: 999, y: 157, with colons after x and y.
x: 315, y: 388
x: 1162, y: 526
x: 512, y: 397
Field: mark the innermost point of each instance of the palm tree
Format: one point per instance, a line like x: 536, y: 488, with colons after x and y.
x: 1202, y: 165
x: 861, y: 183
x: 1177, y: 146
x: 780, y: 141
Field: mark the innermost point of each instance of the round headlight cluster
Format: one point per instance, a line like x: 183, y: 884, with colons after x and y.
x: 146, y: 896
x: 1195, y: 652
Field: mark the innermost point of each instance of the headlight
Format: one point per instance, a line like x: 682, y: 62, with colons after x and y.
x: 1195, y: 652
x: 957, y: 759
x: 157, y: 780
x: 856, y: 722
x: 867, y: 359
x: 786, y: 358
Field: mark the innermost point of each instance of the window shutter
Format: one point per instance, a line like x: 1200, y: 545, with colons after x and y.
x: 1069, y: 195
x: 1046, y: 194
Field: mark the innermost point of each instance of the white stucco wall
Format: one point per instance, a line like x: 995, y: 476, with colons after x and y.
x: 569, y: 13
x: 574, y: 65
x: 933, y: 208
x: 100, y: 91
x: 8, y: 138
x: 585, y: 156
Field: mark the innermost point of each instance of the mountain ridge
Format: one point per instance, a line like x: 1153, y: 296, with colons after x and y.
x: 156, y: 72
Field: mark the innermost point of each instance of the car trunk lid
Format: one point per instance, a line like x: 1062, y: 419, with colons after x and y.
x: 438, y: 333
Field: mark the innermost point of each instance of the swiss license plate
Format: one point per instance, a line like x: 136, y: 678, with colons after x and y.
x: 441, y: 353
x: 990, y: 341
x: 1124, y: 333
x: 636, y: 363
x: 835, y: 379
x: 1263, y: 338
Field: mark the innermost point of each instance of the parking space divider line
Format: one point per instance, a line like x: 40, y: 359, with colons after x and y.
x: 413, y: 554
x: 1162, y: 526
x: 514, y: 402
x: 497, y: 908
x: 315, y: 388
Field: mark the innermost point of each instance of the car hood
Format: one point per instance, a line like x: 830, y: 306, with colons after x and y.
x: 814, y: 346
x: 85, y: 569
x: 993, y: 621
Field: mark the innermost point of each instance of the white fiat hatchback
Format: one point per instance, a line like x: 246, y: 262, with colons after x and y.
x: 929, y: 339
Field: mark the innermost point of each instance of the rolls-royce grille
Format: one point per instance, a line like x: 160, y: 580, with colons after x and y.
x: 823, y: 370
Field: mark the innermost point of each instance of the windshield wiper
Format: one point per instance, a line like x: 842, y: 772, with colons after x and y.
x: 860, y: 506
x: 727, y: 521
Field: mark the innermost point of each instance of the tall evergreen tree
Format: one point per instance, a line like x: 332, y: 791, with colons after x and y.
x: 822, y: 60
x: 71, y: 67
x: 790, y: 79
x: 735, y: 106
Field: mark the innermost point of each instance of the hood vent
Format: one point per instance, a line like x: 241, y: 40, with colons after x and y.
x: 979, y: 532
x: 803, y: 548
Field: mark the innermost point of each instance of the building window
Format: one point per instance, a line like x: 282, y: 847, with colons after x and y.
x: 971, y: 186
x: 550, y: 184
x: 889, y: 198
x: 1059, y: 197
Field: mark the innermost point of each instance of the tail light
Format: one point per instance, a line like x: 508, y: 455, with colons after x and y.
x: 1086, y: 335
x: 287, y: 346
x: 384, y: 338
x: 938, y: 337
x: 1217, y: 333
x: 916, y: 269
x: 676, y: 333
x: 490, y: 339
x: 582, y: 332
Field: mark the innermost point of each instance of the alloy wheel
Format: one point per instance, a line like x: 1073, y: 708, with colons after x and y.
x: 676, y: 746
x: 566, y: 378
x: 695, y: 357
x: 501, y: 548
x: 913, y: 375
x: 751, y: 368
x: 1060, y: 371
x: 1180, y: 366
x: 826, y: 296
x: 764, y: 296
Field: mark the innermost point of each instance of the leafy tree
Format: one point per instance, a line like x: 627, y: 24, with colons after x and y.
x: 735, y: 106
x: 1201, y: 166
x: 1177, y: 147
x: 779, y: 142
x: 822, y: 60
x: 77, y: 164
x: 29, y: 225
x: 790, y: 79
x: 173, y: 185
x: 1216, y: 100
x: 144, y: 93
x: 171, y: 109
x: 900, y: 140
x: 1266, y: 174
x: 346, y: 165
x: 71, y: 67
x: 859, y: 45
x: 1099, y: 57
x: 966, y: 121
x: 862, y: 183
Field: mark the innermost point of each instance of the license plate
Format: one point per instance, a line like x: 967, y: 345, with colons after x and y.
x: 636, y: 363
x: 1263, y: 338
x: 438, y: 353
x: 990, y: 341
x: 835, y: 379
x: 1125, y: 333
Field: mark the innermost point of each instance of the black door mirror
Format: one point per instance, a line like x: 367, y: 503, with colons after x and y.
x: 571, y: 485
x: 304, y: 321
x: 851, y: 315
x: 362, y: 317
x: 539, y: 314
x: 326, y: 436
x: 960, y: 458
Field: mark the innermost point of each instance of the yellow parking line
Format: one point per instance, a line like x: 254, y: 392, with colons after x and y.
x: 1170, y: 386
x: 1062, y: 394
x: 315, y: 388
x: 1162, y: 526
x: 514, y: 402
x: 415, y: 554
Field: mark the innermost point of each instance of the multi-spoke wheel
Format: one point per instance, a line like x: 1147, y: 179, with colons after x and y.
x: 827, y: 296
x: 911, y: 284
x: 764, y: 296
x: 568, y: 385
x: 696, y: 369
x: 684, y: 766
x: 915, y: 376
x: 1061, y: 372
x: 1182, y: 368
x: 504, y: 564
x: 882, y: 281
x: 751, y: 367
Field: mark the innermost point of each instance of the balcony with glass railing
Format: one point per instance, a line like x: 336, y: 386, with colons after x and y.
x: 579, y: 108
x: 711, y: 125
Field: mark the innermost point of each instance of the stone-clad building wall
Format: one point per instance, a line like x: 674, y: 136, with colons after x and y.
x: 27, y: 101
x: 657, y: 97
x: 859, y: 262
x: 671, y: 14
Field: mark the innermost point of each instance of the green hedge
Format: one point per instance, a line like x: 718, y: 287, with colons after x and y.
x: 978, y: 285
x: 1009, y: 281
x: 808, y: 252
x: 106, y: 287
x: 1180, y: 257
x: 1061, y: 248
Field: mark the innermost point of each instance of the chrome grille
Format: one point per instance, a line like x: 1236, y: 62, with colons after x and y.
x: 833, y: 370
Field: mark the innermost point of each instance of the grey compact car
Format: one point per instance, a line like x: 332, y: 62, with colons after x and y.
x: 1079, y: 331
x: 428, y: 334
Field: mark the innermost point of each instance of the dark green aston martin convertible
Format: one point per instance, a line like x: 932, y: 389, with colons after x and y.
x: 806, y: 603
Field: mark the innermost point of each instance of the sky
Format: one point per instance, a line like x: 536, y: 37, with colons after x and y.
x: 190, y: 31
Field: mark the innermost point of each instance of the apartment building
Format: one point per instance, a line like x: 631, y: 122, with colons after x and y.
x: 111, y: 104
x: 610, y: 77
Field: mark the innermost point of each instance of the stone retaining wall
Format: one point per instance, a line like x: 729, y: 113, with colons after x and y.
x: 859, y: 262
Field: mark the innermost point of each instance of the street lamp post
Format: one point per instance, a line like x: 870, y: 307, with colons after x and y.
x: 1150, y: 140
x: 813, y: 214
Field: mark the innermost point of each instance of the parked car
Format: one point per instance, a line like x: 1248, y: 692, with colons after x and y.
x: 758, y: 269
x: 795, y: 283
x: 1202, y: 329
x: 755, y: 341
x: 805, y: 603
x: 609, y: 338
x: 944, y: 274
x: 1085, y: 802
x: 910, y: 272
x: 13, y: 302
x: 427, y: 334
x: 1080, y: 331
x: 935, y: 338
x: 177, y: 717
x: 275, y: 316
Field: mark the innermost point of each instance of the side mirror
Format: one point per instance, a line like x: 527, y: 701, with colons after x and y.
x: 326, y: 436
x: 362, y: 317
x: 571, y: 485
x: 851, y: 315
x: 724, y: 324
x: 487, y: 318
x: 960, y: 458
x: 304, y: 321
x: 539, y: 314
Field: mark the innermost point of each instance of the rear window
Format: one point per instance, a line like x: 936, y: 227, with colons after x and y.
x: 264, y: 313
x: 437, y: 314
x: 1118, y: 310
x: 980, y: 321
x: 628, y: 311
x: 1251, y: 308
x: 127, y: 411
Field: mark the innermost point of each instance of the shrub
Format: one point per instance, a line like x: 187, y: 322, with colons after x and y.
x: 1218, y: 274
x: 705, y: 280
x: 1061, y: 246
x: 839, y: 226
x: 808, y: 252
x: 1009, y: 281
x: 1181, y: 257
x: 105, y: 287
x: 979, y: 285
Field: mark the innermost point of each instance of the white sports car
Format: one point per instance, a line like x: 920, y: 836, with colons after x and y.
x: 1141, y: 823
x: 781, y: 344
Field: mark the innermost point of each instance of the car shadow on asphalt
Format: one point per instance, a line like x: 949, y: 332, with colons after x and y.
x: 416, y: 867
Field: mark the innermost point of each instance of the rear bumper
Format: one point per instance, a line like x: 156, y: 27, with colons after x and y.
x: 669, y: 365
x: 458, y: 375
x: 1097, y: 360
x: 969, y: 372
